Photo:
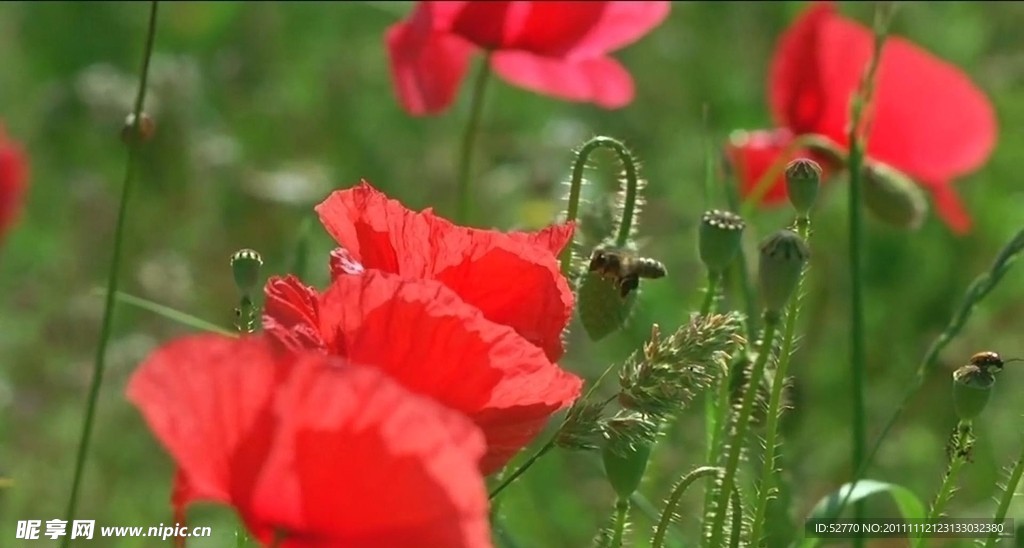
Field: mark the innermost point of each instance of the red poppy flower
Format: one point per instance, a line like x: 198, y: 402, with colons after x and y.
x: 927, y: 119
x: 309, y: 447
x: 13, y: 177
x: 511, y: 278
x: 555, y: 48
x: 430, y: 340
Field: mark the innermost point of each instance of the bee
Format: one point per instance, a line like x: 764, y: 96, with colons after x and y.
x: 625, y: 268
x: 989, y: 362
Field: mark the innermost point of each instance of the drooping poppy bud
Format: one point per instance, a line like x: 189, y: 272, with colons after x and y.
x: 892, y: 197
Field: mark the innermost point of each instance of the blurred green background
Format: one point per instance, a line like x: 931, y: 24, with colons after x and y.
x: 263, y: 108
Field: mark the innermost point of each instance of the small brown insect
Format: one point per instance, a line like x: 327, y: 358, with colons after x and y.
x: 625, y: 268
x: 990, y: 362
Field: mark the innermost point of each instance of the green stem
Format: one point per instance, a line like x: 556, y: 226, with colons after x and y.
x: 858, y: 142
x: 949, y: 480
x: 715, y: 405
x: 621, y: 512
x: 738, y: 270
x: 712, y: 411
x: 476, y: 108
x: 115, y: 263
x: 674, y: 498
x: 506, y: 481
x: 714, y: 279
x: 1004, y: 501
x: 775, y: 401
x: 739, y: 435
x: 169, y: 313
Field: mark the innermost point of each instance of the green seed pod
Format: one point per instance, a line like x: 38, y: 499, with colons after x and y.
x: 245, y: 266
x: 602, y: 308
x: 803, y: 177
x: 625, y: 470
x: 719, y: 238
x: 972, y: 387
x: 893, y: 198
x: 783, y: 256
x: 627, y: 448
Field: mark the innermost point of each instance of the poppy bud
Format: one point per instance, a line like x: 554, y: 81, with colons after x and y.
x: 245, y: 266
x: 145, y: 131
x: 972, y: 387
x: 719, y: 238
x: 603, y: 309
x: 826, y: 149
x: 803, y: 176
x: 627, y: 450
x: 782, y: 260
x: 892, y: 197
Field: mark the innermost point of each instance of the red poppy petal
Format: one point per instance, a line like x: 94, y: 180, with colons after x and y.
x: 382, y: 234
x: 423, y: 335
x: 207, y: 399
x: 13, y: 178
x: 291, y: 313
x: 373, y: 464
x: 600, y: 80
x: 950, y: 208
x: 621, y: 24
x: 550, y: 29
x: 426, y: 66
x: 554, y: 238
x: 794, y: 84
x: 515, y: 285
x: 928, y: 119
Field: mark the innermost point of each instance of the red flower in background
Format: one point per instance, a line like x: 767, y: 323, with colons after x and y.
x: 927, y: 119
x: 555, y: 48
x: 472, y: 318
x: 13, y: 177
x: 327, y: 453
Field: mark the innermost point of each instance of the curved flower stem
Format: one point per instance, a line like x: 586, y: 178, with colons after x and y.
x: 1004, y: 501
x: 476, y: 107
x: 112, y: 282
x: 621, y: 512
x: 739, y: 434
x: 673, y: 500
x: 576, y: 188
x: 803, y: 226
x: 858, y: 143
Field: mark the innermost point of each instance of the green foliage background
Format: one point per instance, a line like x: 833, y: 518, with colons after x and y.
x: 263, y: 108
